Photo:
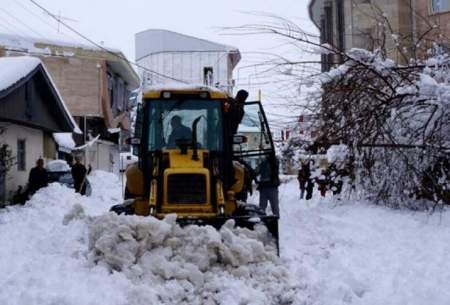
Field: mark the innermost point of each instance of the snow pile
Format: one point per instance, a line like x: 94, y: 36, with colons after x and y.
x: 63, y: 248
x: 337, y: 153
x: 64, y: 140
x: 15, y: 68
x: 58, y: 166
x: 202, y: 264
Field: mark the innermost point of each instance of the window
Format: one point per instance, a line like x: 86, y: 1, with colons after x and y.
x: 21, y: 164
x: 439, y: 6
x: 173, y: 119
x: 208, y: 76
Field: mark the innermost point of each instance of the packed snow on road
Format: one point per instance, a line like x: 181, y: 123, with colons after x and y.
x: 63, y: 248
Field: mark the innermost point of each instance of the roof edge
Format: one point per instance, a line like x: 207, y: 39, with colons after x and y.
x: 310, y: 6
x: 189, y: 36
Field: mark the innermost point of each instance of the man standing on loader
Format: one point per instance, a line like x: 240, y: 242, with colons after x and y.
x: 237, y: 110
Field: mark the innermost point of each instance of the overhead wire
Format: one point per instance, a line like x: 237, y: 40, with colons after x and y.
x: 41, y: 19
x: 20, y: 22
x: 102, y: 47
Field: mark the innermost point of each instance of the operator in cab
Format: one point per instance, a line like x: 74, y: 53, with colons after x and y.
x: 179, y: 131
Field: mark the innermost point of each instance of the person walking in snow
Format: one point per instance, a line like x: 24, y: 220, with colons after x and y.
x: 322, y: 182
x: 268, y: 182
x: 38, y: 177
x: 79, y: 173
x: 310, y: 182
x: 304, y: 174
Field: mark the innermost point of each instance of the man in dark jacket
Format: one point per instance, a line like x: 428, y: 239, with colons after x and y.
x: 268, y: 182
x: 237, y: 110
x: 79, y: 176
x: 179, y: 131
x: 38, y: 177
x: 304, y: 174
x: 310, y: 181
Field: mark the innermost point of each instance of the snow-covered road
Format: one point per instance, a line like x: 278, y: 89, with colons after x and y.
x: 331, y: 253
x: 354, y: 253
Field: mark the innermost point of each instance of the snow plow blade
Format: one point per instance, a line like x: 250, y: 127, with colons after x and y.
x: 249, y: 222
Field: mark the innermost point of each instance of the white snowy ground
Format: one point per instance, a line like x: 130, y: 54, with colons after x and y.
x: 62, y: 248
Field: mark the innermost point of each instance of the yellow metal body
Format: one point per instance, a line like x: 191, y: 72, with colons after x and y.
x: 213, y: 94
x: 183, y: 164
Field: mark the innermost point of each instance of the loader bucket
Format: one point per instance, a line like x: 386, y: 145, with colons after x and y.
x: 249, y: 222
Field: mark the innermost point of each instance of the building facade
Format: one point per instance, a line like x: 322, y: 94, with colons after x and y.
x: 432, y: 24
x: 31, y: 111
x: 403, y: 29
x: 168, y: 57
x: 95, y: 83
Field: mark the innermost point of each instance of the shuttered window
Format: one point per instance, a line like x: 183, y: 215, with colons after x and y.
x: 21, y: 155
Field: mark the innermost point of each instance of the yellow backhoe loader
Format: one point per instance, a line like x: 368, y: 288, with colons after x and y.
x: 192, y: 162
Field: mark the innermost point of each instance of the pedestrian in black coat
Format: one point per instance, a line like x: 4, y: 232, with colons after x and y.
x: 304, y: 174
x: 79, y: 176
x: 38, y: 177
x: 310, y: 182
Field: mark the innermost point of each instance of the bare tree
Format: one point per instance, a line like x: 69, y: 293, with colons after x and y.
x: 393, y: 116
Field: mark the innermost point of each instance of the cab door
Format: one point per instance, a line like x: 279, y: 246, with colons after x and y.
x: 256, y: 150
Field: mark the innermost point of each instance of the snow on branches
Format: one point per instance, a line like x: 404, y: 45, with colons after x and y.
x: 395, y: 119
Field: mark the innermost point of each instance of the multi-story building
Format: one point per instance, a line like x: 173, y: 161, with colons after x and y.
x: 95, y: 83
x: 402, y: 28
x: 432, y: 24
x: 169, y: 57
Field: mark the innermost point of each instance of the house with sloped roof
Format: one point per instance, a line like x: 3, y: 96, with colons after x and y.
x: 96, y: 83
x: 167, y: 57
x: 31, y: 112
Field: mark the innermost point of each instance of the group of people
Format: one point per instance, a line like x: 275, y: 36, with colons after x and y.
x: 39, y: 178
x: 326, y: 179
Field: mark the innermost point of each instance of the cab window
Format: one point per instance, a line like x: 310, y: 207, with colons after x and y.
x: 172, y: 120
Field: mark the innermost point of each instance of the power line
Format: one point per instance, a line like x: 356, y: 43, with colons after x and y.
x: 13, y: 30
x: 100, y: 46
x: 21, y: 22
x: 44, y: 21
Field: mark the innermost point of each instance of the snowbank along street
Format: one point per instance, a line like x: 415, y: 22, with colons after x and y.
x: 61, y: 248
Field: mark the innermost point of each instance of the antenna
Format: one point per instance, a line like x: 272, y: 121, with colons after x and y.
x: 59, y: 17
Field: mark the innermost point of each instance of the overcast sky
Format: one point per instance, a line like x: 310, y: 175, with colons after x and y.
x: 115, y: 22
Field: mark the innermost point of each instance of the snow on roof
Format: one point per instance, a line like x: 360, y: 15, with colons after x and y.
x: 37, y: 45
x: 157, y: 40
x: 60, y: 47
x: 13, y: 69
x: 64, y: 140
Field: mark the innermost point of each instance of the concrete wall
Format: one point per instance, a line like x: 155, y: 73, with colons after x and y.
x: 34, y: 149
x: 78, y: 81
x: 365, y: 25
